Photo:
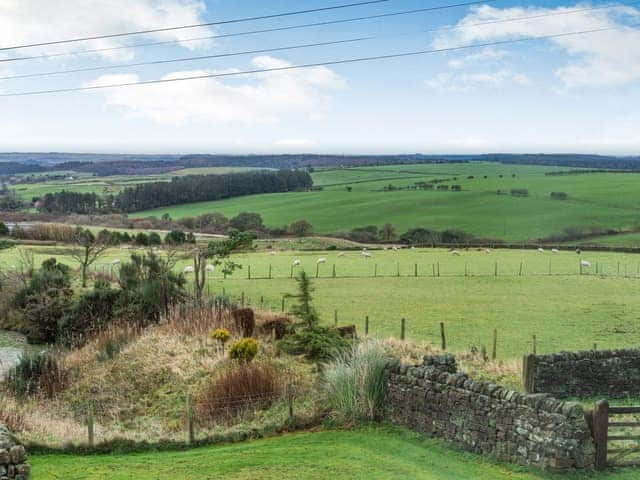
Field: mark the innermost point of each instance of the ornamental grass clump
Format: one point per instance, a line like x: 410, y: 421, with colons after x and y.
x: 355, y: 383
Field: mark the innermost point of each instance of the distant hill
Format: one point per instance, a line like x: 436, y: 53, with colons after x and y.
x: 126, y: 164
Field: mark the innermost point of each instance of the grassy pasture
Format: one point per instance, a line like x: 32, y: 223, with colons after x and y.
x: 565, y: 310
x: 396, y: 454
x: 607, y: 199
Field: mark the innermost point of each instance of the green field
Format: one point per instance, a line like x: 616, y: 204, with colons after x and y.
x: 565, y: 310
x: 370, y: 453
x: 608, y: 200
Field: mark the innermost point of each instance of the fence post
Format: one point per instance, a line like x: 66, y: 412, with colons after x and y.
x: 595, y: 346
x: 415, y: 269
x: 242, y: 299
x: 535, y: 346
x: 375, y: 270
x: 366, y: 326
x: 261, y: 302
x: 433, y: 267
x: 520, y: 272
x: 90, y: 424
x: 438, y: 268
x: 528, y: 370
x: 466, y: 269
x: 402, y: 328
x: 397, y: 269
x: 248, y: 272
x: 282, y: 309
x: 600, y: 433
x: 289, y: 394
x: 333, y: 274
x: 443, y: 339
x: 335, y: 317
x: 618, y: 268
x: 269, y: 271
x: 317, y: 269
x: 495, y: 272
x: 494, y: 351
x: 190, y: 420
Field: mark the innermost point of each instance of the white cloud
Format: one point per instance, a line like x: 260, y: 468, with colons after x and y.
x: 36, y: 21
x: 260, y: 98
x: 484, y: 56
x: 469, y: 82
x: 595, y: 59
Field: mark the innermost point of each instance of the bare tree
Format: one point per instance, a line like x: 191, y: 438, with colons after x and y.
x: 88, y: 250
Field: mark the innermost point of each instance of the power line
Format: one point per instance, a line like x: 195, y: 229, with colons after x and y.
x: 312, y: 65
x: 253, y: 32
x: 207, y: 24
x: 302, y: 46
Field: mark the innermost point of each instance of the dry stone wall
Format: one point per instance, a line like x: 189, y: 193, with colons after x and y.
x: 485, y: 418
x: 13, y: 457
x: 595, y: 373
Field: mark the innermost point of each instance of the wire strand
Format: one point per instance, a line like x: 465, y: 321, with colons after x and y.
x: 253, y: 32
x: 197, y: 25
x: 311, y: 65
x: 302, y: 46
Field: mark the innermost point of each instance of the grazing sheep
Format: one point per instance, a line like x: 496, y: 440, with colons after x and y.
x: 541, y: 250
x: 555, y: 250
x: 578, y: 251
x: 341, y: 254
x: 297, y: 263
x: 366, y: 255
x: 486, y: 250
x: 395, y: 249
x: 187, y: 270
x: 115, y: 262
x: 210, y: 268
x: 584, y: 263
x: 321, y: 260
x: 455, y: 253
x: 273, y: 252
x: 413, y: 248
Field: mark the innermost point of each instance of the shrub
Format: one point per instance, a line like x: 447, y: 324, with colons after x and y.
x: 300, y: 228
x: 112, y: 346
x: 37, y: 374
x: 278, y: 326
x: 244, y: 350
x: 319, y: 344
x: 559, y: 195
x: 519, y: 192
x: 220, y: 335
x: 4, y: 230
x: 355, y: 382
x: 245, y: 321
x: 255, y: 385
x: 443, y: 187
x: 456, y: 188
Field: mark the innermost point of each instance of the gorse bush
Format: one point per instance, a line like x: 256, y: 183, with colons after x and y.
x: 37, y: 374
x: 254, y: 385
x: 355, y: 382
x: 244, y: 350
x: 220, y: 335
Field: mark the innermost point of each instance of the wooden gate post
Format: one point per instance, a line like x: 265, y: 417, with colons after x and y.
x: 600, y: 433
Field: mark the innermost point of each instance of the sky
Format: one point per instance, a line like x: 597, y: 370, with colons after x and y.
x: 571, y: 94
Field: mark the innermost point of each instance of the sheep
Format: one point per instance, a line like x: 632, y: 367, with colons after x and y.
x: 455, y: 253
x: 366, y: 255
x: 297, y: 263
x: 187, y: 270
x: 395, y: 249
x: 413, y: 248
x: 486, y: 250
x: 341, y: 254
x: 578, y: 251
x: 321, y: 260
x: 210, y: 268
x: 585, y: 263
x: 555, y: 250
x: 273, y: 252
x: 541, y: 250
x: 115, y: 262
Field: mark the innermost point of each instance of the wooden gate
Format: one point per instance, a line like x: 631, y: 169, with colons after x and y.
x: 607, y: 432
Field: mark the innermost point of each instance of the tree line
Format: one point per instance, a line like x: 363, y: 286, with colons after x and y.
x: 187, y: 189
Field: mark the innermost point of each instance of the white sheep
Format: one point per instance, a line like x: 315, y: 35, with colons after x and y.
x: 366, y: 255
x: 187, y: 270
x: 297, y: 263
x: 210, y: 268
x: 486, y: 250
x: 413, y: 248
x: 585, y: 263
x: 115, y: 262
x: 321, y: 260
x: 455, y: 253
x: 341, y: 254
x: 273, y: 252
x: 395, y: 248
x: 555, y: 250
x: 541, y: 250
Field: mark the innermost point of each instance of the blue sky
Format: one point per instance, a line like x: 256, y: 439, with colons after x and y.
x: 571, y: 94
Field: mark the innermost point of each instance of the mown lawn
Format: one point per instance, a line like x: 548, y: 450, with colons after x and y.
x: 368, y: 453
